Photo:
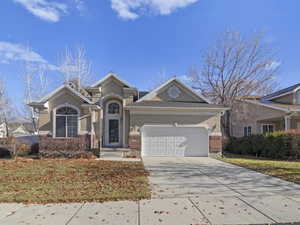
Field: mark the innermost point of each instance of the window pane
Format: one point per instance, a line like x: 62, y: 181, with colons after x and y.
x: 271, y: 128
x: 113, y: 108
x: 66, y: 111
x: 245, y: 131
x: 113, y: 131
x: 265, y: 129
x: 60, y: 126
x: 249, y: 131
x: 72, y: 126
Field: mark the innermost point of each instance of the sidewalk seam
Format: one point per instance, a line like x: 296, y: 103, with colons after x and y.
x: 257, y: 209
x: 200, y: 211
x: 77, y: 211
x: 139, y: 213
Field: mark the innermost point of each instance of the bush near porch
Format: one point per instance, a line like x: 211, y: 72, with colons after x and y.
x: 276, y: 145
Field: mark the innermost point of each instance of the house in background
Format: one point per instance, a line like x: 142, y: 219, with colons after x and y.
x: 172, y: 120
x: 277, y: 111
x: 16, y: 129
x: 3, y: 130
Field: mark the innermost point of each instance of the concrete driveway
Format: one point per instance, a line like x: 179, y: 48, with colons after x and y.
x: 201, y: 176
x: 224, y: 193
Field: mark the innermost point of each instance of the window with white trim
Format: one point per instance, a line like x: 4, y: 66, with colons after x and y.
x: 66, y: 122
x: 247, y: 131
x: 267, y: 128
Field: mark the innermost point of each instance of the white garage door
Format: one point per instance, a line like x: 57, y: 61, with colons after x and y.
x: 174, y: 141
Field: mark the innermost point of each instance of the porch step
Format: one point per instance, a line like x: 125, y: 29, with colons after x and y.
x: 115, y: 150
x: 111, y: 154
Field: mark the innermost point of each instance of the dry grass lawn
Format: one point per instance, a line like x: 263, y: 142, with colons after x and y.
x: 61, y: 180
x: 285, y: 170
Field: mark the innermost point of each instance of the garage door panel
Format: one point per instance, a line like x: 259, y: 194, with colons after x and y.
x: 174, y: 141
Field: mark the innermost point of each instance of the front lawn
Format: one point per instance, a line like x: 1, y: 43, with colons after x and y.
x: 62, y: 180
x: 285, y: 170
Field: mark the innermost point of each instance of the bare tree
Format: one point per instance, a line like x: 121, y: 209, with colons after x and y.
x: 36, y: 86
x: 5, y: 107
x: 74, y: 65
x: 236, y: 66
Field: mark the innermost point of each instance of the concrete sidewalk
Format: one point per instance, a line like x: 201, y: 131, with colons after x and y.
x: 176, y: 211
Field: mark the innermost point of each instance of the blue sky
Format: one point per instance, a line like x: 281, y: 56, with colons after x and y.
x: 140, y: 39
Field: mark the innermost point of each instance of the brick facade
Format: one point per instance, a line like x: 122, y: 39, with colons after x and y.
x: 134, y: 142
x: 215, y: 144
x: 63, y: 147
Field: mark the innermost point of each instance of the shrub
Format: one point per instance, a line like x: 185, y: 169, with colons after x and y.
x: 34, y: 150
x: 95, y: 151
x: 4, y: 153
x: 85, y: 155
x: 277, y: 145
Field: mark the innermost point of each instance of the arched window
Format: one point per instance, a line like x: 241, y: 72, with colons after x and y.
x: 66, y: 123
x: 113, y: 108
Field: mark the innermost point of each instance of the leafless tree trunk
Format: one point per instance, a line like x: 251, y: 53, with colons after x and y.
x: 75, y: 65
x: 5, y: 109
x: 36, y: 86
x: 236, y: 66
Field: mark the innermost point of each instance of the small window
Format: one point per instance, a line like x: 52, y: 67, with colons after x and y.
x: 247, y: 131
x: 267, y: 128
x: 66, y: 122
x: 113, y: 108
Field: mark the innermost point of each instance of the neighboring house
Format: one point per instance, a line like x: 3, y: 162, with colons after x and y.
x: 277, y: 111
x: 172, y: 120
x: 16, y: 129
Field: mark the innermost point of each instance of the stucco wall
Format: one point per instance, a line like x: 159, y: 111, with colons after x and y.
x: 247, y: 114
x: 212, y: 122
x: 287, y: 99
x: 111, y: 87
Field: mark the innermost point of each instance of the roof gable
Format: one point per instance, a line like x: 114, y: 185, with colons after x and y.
x: 65, y: 86
x: 161, y: 90
x: 283, y: 92
x: 111, y: 76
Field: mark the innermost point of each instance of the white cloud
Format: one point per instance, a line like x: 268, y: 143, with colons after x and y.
x: 273, y: 65
x: 47, y: 10
x: 15, y: 52
x: 131, y: 9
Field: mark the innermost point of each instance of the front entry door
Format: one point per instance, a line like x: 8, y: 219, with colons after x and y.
x: 113, y: 132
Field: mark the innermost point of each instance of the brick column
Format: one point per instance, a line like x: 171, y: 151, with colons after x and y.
x: 135, y: 141
x: 215, y: 144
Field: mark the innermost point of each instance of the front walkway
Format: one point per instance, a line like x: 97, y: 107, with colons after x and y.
x: 186, y: 191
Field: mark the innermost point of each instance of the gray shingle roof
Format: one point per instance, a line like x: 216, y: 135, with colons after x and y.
x: 282, y: 91
x: 175, y: 104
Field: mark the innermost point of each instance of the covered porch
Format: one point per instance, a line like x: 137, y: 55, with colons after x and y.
x: 283, y: 123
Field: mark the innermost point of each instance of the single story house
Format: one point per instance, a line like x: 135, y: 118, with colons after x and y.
x: 171, y: 120
x: 274, y: 112
x: 16, y: 129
